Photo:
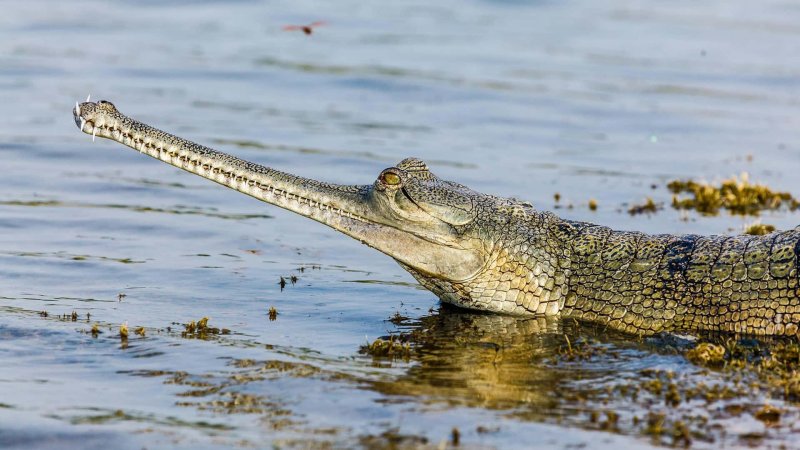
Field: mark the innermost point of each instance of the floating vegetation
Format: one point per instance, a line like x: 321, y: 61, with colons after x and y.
x: 398, y: 318
x: 781, y: 370
x: 455, y: 437
x: 201, y: 330
x: 648, y: 207
x: 777, y: 365
x: 95, y: 329
x: 43, y: 313
x: 736, y: 195
x: 557, y: 197
x: 273, y: 313
x: 393, y: 439
x: 611, y: 422
x: 387, y: 348
x: 482, y: 429
x: 581, y: 350
x: 593, y: 204
x: 293, y: 279
x: 72, y: 317
x: 759, y: 229
x: 139, y: 331
x: 706, y: 354
x: 768, y: 414
x: 121, y: 296
x: 123, y: 331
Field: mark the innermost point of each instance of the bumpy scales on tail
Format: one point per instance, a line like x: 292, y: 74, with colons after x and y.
x: 501, y: 255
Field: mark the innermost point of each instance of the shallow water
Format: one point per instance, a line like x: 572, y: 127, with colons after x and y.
x: 512, y: 98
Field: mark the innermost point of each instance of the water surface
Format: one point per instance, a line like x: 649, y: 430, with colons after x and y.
x: 526, y: 99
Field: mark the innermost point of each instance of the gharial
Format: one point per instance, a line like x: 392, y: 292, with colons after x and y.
x: 494, y: 254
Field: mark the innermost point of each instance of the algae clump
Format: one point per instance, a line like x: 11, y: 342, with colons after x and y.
x: 759, y: 229
x: 707, y: 354
x: 736, y: 195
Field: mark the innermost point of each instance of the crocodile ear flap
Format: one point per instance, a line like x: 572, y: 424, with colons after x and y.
x: 452, y: 214
x: 447, y: 201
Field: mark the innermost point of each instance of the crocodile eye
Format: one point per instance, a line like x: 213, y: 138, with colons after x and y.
x: 390, y: 178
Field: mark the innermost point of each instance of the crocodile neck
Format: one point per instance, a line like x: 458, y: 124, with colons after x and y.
x: 501, y: 255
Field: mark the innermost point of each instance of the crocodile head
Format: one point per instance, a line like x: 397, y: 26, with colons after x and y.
x: 424, y: 222
x: 408, y: 213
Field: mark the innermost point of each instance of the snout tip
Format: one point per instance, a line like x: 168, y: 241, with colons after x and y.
x: 79, y: 112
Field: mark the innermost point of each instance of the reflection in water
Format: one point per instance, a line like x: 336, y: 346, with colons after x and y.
x: 546, y: 370
x: 478, y: 360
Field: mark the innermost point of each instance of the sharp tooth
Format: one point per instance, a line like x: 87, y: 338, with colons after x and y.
x: 94, y: 133
x: 88, y: 97
x: 78, y: 109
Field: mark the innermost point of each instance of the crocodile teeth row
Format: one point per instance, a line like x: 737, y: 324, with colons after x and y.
x: 141, y: 145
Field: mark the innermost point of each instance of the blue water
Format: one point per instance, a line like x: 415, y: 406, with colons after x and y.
x: 593, y: 100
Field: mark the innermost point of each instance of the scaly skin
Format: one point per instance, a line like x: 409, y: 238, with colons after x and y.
x: 501, y: 255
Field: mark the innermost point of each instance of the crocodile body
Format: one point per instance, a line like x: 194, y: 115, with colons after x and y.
x: 494, y: 254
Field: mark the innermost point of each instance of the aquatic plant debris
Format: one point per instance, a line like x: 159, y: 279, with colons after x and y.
x: 706, y: 354
x: 735, y: 195
x: 737, y: 378
x: 768, y: 414
x: 200, y: 329
x: 387, y: 348
x: 759, y: 229
x: 648, y: 207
